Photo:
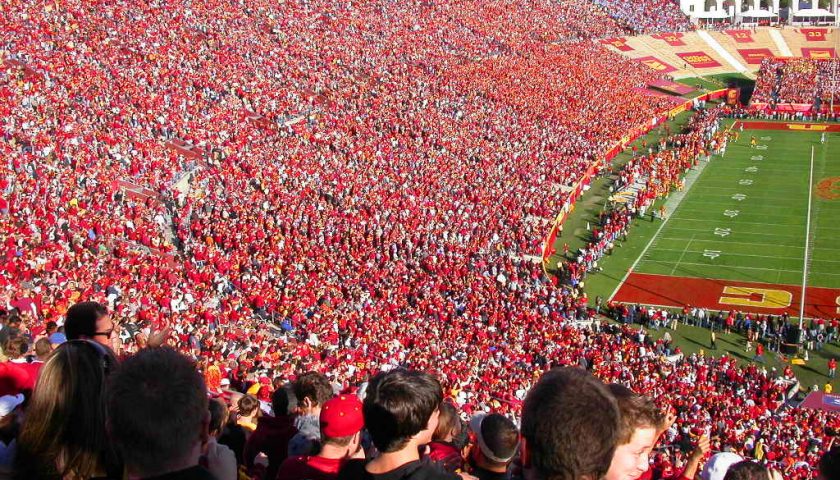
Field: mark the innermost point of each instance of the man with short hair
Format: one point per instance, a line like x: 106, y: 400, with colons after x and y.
x: 341, y: 426
x: 158, y: 419
x: 496, y: 443
x: 272, y: 434
x: 401, y: 414
x: 311, y: 389
x: 570, y: 424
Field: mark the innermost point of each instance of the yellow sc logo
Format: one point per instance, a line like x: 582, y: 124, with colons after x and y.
x: 768, y: 297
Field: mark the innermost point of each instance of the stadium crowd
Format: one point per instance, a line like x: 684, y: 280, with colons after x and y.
x: 277, y: 188
x: 647, y: 16
x: 798, y: 80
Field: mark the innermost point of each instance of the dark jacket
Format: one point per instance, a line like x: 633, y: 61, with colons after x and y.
x: 271, y: 437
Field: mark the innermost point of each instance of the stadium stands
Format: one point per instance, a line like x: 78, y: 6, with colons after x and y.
x: 281, y: 187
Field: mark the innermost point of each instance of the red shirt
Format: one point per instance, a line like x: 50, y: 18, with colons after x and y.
x: 304, y: 467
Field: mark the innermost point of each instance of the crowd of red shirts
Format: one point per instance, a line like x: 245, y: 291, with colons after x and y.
x: 798, y: 80
x: 373, y: 177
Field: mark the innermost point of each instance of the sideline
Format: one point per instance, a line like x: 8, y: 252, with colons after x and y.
x: 671, y: 204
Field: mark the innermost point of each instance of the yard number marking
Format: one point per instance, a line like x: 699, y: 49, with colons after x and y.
x: 723, y: 231
x: 731, y: 213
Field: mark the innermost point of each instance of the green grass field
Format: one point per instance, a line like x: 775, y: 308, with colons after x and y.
x: 775, y: 201
x: 745, y: 217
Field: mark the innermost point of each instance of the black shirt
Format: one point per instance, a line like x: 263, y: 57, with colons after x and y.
x: 192, y: 473
x: 483, y: 474
x: 416, y: 470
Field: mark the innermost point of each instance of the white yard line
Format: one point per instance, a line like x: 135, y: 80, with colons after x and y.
x: 670, y: 205
x: 688, y: 244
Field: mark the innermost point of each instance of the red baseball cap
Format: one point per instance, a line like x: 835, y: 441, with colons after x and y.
x: 341, y: 416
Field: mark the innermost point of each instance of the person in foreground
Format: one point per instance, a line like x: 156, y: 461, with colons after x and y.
x: 158, y: 419
x: 401, y: 414
x: 641, y: 425
x: 341, y: 423
x: 64, y: 434
x: 570, y: 427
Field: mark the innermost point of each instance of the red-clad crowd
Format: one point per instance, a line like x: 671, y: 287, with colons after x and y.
x: 798, y: 80
x: 647, y: 16
x: 341, y: 187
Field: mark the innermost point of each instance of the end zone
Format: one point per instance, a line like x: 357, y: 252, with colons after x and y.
x: 718, y: 294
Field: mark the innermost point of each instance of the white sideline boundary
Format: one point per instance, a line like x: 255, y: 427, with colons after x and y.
x: 671, y: 204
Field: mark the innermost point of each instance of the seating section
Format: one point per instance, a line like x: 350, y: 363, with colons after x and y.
x: 667, y: 52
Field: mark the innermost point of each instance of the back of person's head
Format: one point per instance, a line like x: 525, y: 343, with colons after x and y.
x: 66, y: 415
x: 496, y: 438
x: 248, y: 404
x: 157, y: 411
x: 398, y: 405
x: 830, y: 464
x: 312, y: 389
x: 42, y: 347
x: 637, y: 411
x: 747, y: 470
x: 449, y: 425
x: 81, y: 319
x: 280, y: 401
x: 570, y: 424
x: 218, y: 416
x: 341, y: 420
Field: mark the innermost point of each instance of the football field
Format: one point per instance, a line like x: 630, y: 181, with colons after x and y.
x: 744, y: 232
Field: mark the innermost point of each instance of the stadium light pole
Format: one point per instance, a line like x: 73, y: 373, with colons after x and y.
x: 807, y: 243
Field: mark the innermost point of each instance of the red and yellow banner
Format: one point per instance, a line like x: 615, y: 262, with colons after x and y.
x: 754, y: 56
x: 672, y: 39
x: 698, y: 59
x: 814, y: 34
x: 656, y: 64
x: 619, y: 43
x: 818, y: 53
x: 741, y: 36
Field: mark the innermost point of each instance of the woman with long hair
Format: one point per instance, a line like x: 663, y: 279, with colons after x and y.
x: 64, y: 434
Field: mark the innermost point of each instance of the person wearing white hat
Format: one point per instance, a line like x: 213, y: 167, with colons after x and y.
x: 496, y: 445
x: 718, y: 465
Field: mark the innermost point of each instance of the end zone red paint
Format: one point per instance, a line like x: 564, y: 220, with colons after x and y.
x: 794, y: 127
x: 717, y: 294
